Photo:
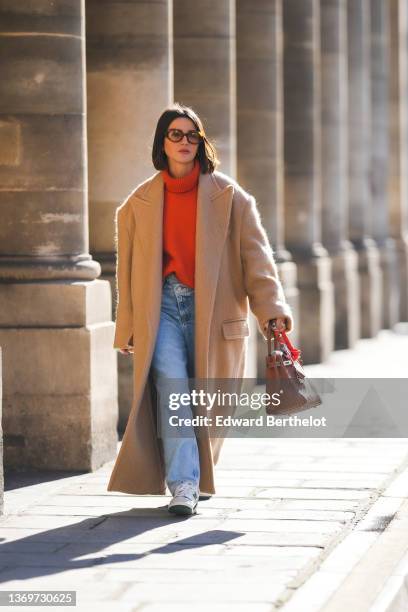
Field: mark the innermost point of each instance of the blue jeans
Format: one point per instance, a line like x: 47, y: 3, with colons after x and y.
x: 173, y: 358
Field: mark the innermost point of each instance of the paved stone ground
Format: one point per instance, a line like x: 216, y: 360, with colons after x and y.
x: 283, y: 509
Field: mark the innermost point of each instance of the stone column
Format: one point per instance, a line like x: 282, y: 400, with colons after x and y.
x: 204, y: 69
x: 260, y: 129
x: 398, y: 167
x: 205, y: 79
x: 129, y: 83
x: 380, y: 160
x: 302, y: 142
x: 333, y: 29
x: 360, y: 143
x: 60, y: 400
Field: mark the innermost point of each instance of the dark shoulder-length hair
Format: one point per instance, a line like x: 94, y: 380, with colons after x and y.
x: 206, y: 153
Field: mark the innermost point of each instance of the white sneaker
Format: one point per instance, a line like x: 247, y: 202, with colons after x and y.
x: 185, y: 499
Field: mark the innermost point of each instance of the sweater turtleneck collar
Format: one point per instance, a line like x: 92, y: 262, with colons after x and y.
x: 185, y: 183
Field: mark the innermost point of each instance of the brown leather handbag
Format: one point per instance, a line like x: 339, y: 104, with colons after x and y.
x: 286, y: 383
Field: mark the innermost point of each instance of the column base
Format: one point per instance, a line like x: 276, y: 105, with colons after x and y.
x: 60, y: 375
x: 125, y: 362
x: 370, y: 287
x: 401, y: 245
x: 346, y: 298
x: 391, y: 290
x: 288, y: 276
x: 316, y: 305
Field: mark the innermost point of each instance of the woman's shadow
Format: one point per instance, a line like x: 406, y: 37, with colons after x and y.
x: 54, y: 551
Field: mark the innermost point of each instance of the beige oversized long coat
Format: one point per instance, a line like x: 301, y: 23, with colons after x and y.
x: 234, y: 269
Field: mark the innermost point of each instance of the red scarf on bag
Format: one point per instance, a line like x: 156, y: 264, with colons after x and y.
x: 293, y: 351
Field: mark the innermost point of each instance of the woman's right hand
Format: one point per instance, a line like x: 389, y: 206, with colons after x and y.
x: 126, y: 350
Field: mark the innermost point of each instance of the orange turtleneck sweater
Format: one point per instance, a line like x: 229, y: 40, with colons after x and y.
x: 179, y: 224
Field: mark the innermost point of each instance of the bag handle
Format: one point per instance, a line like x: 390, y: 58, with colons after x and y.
x: 272, y: 331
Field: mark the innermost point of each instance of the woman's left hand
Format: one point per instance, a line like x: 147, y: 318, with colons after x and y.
x: 280, y: 324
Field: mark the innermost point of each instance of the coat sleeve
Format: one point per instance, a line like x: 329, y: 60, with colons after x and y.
x: 261, y: 278
x: 124, y: 312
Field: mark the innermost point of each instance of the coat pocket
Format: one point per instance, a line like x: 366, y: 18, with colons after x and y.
x: 235, y: 328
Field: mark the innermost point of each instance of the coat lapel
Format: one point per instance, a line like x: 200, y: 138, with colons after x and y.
x: 213, y: 214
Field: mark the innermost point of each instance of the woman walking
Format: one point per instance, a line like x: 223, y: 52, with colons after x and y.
x: 192, y: 255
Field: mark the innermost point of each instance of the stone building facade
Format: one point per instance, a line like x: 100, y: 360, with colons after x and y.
x: 306, y: 101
